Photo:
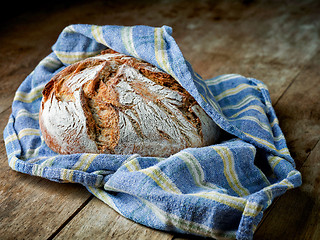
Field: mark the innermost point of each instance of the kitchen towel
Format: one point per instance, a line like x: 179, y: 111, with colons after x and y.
x: 219, y: 191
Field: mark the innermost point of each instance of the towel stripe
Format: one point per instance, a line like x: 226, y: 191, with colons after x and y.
x: 287, y: 183
x: 234, y: 202
x: 12, y: 162
x: 69, y: 29
x: 14, y: 154
x: 10, y: 138
x: 50, y: 63
x: 24, y: 132
x: 185, y: 225
x: 48, y: 162
x: 243, y: 101
x: 84, y: 161
x: 133, y: 165
x: 275, y: 122
x: 249, y: 108
x: 161, y: 179
x: 207, y: 93
x: 97, y: 33
x: 233, y: 91
x: 29, y: 97
x: 284, y: 150
x: 127, y: 39
x: 26, y: 113
x: 31, y: 153
x: 222, y: 78
x: 252, y: 209
x: 274, y: 161
x: 37, y: 170
x: 263, y: 126
x: 229, y: 170
x: 66, y: 175
x: 196, y: 171
x: 72, y: 57
x: 269, y: 194
x: 104, y: 196
x: 161, y: 52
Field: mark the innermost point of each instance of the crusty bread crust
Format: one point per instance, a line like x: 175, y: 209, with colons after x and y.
x: 113, y: 103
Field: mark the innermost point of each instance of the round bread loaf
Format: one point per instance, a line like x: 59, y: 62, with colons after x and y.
x: 116, y: 104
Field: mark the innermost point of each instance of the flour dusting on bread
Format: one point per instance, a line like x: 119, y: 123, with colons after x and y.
x: 113, y: 103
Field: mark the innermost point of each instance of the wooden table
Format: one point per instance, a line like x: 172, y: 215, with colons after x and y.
x: 275, y: 42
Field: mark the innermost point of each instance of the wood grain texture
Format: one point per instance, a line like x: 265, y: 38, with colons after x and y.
x: 260, y: 40
x: 276, y: 42
x: 296, y: 214
x: 18, y: 59
x: 31, y: 207
x: 107, y: 224
x: 299, y: 111
x: 299, y: 115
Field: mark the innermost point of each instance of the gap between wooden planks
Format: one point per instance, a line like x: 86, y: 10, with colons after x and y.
x: 32, y: 207
x: 299, y: 113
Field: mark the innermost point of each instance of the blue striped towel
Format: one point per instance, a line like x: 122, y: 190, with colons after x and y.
x: 219, y: 191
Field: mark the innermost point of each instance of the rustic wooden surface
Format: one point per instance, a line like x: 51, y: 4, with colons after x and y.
x: 274, y: 41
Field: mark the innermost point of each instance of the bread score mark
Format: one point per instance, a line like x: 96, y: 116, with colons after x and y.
x: 122, y: 105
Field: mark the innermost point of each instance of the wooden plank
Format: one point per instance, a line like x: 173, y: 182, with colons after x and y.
x: 31, y: 207
x: 299, y: 114
x: 298, y: 111
x: 18, y: 59
x: 189, y: 237
x: 105, y: 223
x: 216, y: 37
x: 311, y: 189
x: 3, y: 121
x: 270, y: 40
x: 296, y: 214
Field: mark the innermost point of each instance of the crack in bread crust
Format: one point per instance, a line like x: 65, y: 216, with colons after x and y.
x: 130, y: 106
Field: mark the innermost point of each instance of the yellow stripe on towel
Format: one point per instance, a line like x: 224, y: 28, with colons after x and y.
x: 161, y: 179
x: 229, y: 170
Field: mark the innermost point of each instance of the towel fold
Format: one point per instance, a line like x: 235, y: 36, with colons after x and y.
x: 220, y: 191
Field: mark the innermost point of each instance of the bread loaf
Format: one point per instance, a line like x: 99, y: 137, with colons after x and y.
x: 116, y: 104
